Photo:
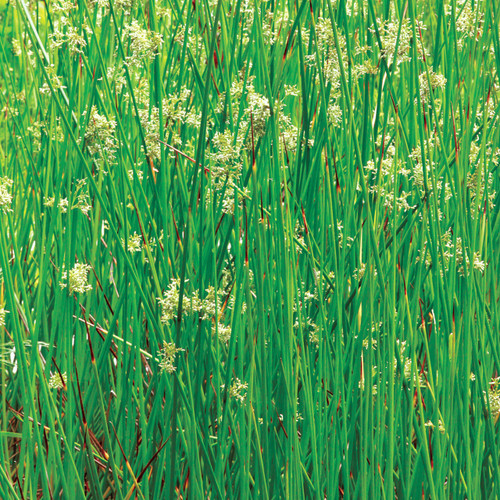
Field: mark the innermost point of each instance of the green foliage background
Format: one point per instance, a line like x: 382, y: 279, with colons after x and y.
x: 249, y: 249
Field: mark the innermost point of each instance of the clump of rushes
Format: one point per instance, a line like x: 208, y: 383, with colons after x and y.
x: 320, y: 179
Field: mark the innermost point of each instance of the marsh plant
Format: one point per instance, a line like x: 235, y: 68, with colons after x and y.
x: 249, y: 249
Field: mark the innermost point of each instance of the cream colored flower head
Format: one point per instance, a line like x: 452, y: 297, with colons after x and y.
x: 78, y: 279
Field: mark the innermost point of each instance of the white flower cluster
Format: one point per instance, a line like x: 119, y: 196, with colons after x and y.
x: 307, y: 302
x: 469, y: 20
x: 211, y: 308
x: 167, y: 357
x: 150, y: 123
x: 456, y: 251
x: 62, y: 6
x: 454, y: 254
x: 173, y: 107
x: 212, y: 301
x: 493, y: 396
x: 226, y: 165
x: 5, y: 194
x: 41, y: 128
x: 82, y: 202
x: 330, y: 63
x: 170, y: 302
x: 275, y: 22
x: 134, y: 243
x: 58, y: 381
x: 55, y: 81
x: 141, y: 44
x: 226, y: 156
x: 72, y: 36
x: 441, y: 427
x: 63, y: 205
x: 222, y: 331
x: 3, y: 313
x: 430, y: 155
x: 238, y: 390
x: 173, y: 113
x: 82, y: 197
x: 119, y: 6
x: 214, y: 309
x: 78, y: 279
x: 396, y: 43
x: 434, y: 82
x: 100, y: 135
x: 418, y: 377
x: 479, y: 180
x: 384, y: 173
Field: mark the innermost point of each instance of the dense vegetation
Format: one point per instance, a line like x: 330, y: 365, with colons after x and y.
x: 249, y: 249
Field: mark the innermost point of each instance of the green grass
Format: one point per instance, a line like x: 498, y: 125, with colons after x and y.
x: 249, y: 249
